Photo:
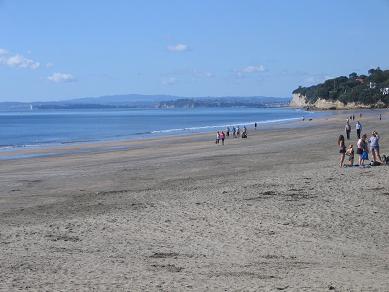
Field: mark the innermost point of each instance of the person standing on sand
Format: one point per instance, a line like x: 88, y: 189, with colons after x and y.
x: 350, y: 154
x: 362, y: 150
x: 217, y: 137
x: 255, y: 125
x: 375, y: 147
x: 380, y: 117
x: 342, y: 149
x: 228, y: 132
x: 358, y: 127
x: 347, y: 128
x: 233, y: 132
x: 222, y: 137
x: 238, y: 132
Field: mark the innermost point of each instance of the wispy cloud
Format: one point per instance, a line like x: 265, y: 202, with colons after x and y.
x: 61, y: 77
x: 17, y: 60
x: 49, y: 65
x: 178, y: 48
x: 252, y: 69
x: 316, y: 78
x: 202, y: 74
x: 169, y: 81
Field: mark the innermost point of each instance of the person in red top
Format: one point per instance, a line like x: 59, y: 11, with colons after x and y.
x: 222, y: 137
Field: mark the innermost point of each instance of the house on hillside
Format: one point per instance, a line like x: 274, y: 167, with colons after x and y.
x: 385, y: 91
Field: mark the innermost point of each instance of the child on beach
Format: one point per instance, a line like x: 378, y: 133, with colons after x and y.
x: 342, y: 149
x: 350, y: 154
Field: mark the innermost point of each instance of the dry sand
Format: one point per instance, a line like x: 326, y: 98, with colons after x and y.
x: 273, y: 212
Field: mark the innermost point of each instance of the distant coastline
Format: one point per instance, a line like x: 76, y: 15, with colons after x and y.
x: 136, y: 101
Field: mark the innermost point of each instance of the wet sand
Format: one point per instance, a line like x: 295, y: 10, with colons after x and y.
x: 273, y: 212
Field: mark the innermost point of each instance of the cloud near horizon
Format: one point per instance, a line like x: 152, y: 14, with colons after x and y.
x: 169, y: 81
x: 17, y: 60
x: 178, y: 48
x: 61, y: 78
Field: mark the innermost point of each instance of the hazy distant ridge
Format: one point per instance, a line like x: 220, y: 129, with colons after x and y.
x: 146, y: 101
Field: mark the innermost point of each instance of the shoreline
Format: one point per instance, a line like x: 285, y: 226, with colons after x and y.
x: 120, y: 144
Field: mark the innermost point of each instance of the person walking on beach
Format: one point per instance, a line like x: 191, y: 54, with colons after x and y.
x: 347, y: 128
x: 228, y: 132
x: 217, y: 137
x: 362, y: 150
x: 244, y: 132
x: 233, y: 132
x: 380, y: 117
x: 353, y: 117
x: 375, y: 147
x: 238, y: 132
x: 358, y: 127
x: 255, y: 125
x: 222, y: 137
x: 342, y: 149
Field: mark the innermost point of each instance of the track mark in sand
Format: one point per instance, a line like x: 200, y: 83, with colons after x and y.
x: 66, y: 250
x: 164, y: 255
x: 169, y: 268
x: 298, y: 196
x: 262, y: 196
x: 290, y: 196
x: 245, y: 274
x: 282, y: 288
x: 377, y: 189
x: 54, y: 237
x: 295, y: 190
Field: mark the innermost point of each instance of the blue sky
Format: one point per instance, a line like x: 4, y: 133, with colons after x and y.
x: 52, y: 50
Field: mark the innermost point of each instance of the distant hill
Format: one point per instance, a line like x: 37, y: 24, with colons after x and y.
x: 353, y: 91
x: 225, y: 102
x: 146, y: 101
x: 126, y: 99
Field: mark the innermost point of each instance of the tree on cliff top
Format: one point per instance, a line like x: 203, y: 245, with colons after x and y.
x: 367, y: 90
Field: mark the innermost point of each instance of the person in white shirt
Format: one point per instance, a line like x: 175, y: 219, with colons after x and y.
x: 347, y: 128
x: 358, y: 127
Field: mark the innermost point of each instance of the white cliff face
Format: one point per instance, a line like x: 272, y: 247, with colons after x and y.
x: 299, y: 100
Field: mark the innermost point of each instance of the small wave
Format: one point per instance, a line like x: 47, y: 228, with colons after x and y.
x: 222, y: 126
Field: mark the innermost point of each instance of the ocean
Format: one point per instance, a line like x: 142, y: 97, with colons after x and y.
x: 42, y: 128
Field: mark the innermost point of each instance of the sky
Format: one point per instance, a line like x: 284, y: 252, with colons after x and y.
x: 53, y: 50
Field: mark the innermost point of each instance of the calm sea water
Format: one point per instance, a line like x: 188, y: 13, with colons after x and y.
x: 43, y: 127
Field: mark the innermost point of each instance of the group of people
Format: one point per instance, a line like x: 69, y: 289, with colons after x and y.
x: 236, y: 132
x: 364, y: 146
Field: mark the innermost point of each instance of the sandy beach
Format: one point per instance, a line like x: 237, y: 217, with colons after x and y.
x: 271, y: 212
